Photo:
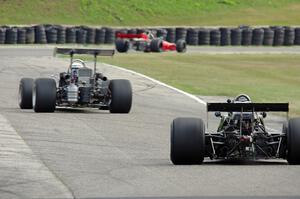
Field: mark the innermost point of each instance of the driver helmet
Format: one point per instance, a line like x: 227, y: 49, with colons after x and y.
x: 76, y: 65
x: 74, y: 70
x: 242, y: 98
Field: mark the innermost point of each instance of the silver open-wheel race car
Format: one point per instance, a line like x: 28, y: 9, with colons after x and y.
x: 241, y: 134
x: 79, y: 87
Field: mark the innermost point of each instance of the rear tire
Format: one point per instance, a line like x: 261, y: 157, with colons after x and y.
x: 25, y: 93
x: 156, y: 45
x: 181, y: 46
x: 187, y: 141
x: 122, y: 45
x: 44, y: 95
x: 293, y: 141
x: 121, y: 96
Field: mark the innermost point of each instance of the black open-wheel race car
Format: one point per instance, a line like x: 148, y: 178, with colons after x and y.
x: 79, y: 87
x: 242, y: 134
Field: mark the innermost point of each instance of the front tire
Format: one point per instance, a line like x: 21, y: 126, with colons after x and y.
x: 121, y: 96
x: 44, y: 95
x: 156, y: 45
x: 187, y: 141
x: 122, y: 45
x: 293, y: 141
x: 181, y: 46
x: 25, y: 93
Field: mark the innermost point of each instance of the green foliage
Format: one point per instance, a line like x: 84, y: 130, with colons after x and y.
x: 151, y: 12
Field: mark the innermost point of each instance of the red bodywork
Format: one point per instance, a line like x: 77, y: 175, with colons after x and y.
x: 133, y: 36
x: 165, y: 44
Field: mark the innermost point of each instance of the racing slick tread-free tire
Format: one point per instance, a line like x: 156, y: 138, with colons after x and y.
x: 156, y: 45
x: 187, y: 141
x: 122, y: 46
x: 121, y: 96
x: 25, y: 93
x: 181, y: 46
x: 44, y: 95
x: 293, y: 141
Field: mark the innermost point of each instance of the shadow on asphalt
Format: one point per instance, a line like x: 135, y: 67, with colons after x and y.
x: 246, y: 162
x: 79, y: 110
x: 60, y: 110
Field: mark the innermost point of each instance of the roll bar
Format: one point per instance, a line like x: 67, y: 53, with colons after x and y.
x: 84, y: 51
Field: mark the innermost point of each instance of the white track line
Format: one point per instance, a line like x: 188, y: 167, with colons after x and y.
x: 160, y: 83
x: 165, y: 85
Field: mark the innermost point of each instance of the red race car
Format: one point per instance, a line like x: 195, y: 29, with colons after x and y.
x: 147, y: 42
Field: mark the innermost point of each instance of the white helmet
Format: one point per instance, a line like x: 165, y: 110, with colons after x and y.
x: 242, y: 98
x: 76, y: 64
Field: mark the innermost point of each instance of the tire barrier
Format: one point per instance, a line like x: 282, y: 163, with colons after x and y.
x: 268, y: 37
x: 11, y: 36
x: 100, y: 36
x: 181, y: 33
x: 40, y: 35
x: 289, y: 36
x: 258, y: 36
x: 297, y: 36
x: 192, y: 36
x: 236, y: 37
x: 109, y: 36
x: 162, y: 33
x: 124, y: 31
x: 51, y: 35
x: 30, y: 35
x: 90, y: 35
x: 132, y: 31
x: 21, y: 36
x: 215, y: 37
x: 81, y: 36
x: 2, y: 35
x: 224, y: 36
x: 61, y: 35
x: 204, y: 37
x: 246, y: 36
x: 171, y: 35
x: 140, y: 30
x: 278, y: 36
x: 71, y: 35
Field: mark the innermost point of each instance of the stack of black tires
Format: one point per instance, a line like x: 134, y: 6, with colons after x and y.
x: 224, y: 36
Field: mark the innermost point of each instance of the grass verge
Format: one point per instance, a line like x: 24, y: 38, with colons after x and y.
x: 151, y: 13
x: 265, y: 77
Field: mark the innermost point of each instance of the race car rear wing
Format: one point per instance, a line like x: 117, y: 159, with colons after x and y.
x: 84, y: 51
x: 248, y: 107
x: 132, y: 36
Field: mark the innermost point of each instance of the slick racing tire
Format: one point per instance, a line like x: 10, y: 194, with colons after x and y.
x: 121, y: 96
x: 122, y: 45
x: 44, y: 95
x: 181, y: 46
x: 25, y: 93
x: 156, y: 45
x: 187, y: 141
x: 293, y: 141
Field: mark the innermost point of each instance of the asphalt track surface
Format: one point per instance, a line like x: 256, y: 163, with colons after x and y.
x: 87, y: 153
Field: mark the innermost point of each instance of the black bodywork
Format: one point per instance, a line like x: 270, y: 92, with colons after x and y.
x: 242, y: 132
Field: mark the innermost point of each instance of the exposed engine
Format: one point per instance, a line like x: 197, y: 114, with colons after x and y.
x: 79, y: 87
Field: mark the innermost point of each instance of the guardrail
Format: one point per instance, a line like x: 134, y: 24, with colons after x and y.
x: 224, y: 36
